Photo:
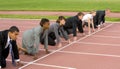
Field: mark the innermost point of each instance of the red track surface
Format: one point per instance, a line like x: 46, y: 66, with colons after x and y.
x: 100, y: 50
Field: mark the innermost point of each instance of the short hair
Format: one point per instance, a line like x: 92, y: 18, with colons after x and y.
x: 13, y: 29
x: 60, y: 18
x: 43, y: 21
x: 80, y: 14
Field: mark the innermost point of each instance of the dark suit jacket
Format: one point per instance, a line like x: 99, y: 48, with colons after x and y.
x: 100, y: 17
x: 3, y: 41
x: 73, y: 23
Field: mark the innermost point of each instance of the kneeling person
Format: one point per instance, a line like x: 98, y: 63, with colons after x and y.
x: 31, y: 40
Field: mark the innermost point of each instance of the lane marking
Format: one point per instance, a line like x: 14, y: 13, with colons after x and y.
x: 87, y: 53
x: 47, y: 65
x: 118, y: 45
x: 93, y: 54
x: 106, y: 36
x: 111, y: 31
x: 64, y: 47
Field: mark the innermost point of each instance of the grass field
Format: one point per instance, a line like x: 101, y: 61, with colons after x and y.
x: 39, y: 17
x: 60, y: 5
x: 57, y: 5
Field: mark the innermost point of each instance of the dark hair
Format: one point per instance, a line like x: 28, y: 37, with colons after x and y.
x: 13, y: 29
x: 80, y: 13
x: 43, y: 21
x: 60, y: 18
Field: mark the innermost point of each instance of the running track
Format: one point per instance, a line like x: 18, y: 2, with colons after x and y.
x: 99, y: 50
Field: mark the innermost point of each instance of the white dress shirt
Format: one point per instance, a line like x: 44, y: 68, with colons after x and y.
x: 86, y: 17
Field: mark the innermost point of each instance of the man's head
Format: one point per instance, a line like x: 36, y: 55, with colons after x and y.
x: 80, y: 15
x: 61, y: 20
x: 13, y: 32
x: 107, y: 11
x: 44, y: 23
x: 93, y: 13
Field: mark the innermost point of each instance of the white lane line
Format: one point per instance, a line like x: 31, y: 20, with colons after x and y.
x: 112, y: 31
x: 20, y: 61
x: 87, y: 53
x: 92, y: 54
x: 105, y: 36
x: 47, y: 65
x: 52, y: 53
x: 104, y: 44
x: 55, y: 66
x: 64, y: 47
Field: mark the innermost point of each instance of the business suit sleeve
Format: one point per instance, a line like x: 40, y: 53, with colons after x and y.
x: 37, y: 41
x: 63, y: 33
x: 100, y: 18
x: 103, y: 19
x: 74, y: 28
x: 80, y: 27
x: 0, y: 50
x: 15, y: 50
x: 46, y: 39
x: 0, y: 47
x: 56, y: 34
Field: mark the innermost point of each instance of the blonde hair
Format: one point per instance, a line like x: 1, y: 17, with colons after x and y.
x: 107, y: 9
x: 93, y: 12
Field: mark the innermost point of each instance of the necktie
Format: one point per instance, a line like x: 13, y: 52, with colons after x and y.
x: 12, y: 54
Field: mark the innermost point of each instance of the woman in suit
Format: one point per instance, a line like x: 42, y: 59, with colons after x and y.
x: 8, y: 43
x: 31, y: 40
x: 56, y: 31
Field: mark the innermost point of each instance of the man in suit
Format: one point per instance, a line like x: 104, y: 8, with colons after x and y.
x: 8, y: 43
x: 99, y: 19
x: 74, y: 23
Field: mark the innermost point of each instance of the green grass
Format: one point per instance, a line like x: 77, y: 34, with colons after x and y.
x: 39, y: 17
x: 113, y: 19
x: 60, y: 5
x: 26, y: 16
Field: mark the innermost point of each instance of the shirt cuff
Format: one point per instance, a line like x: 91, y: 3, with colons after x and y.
x: 0, y: 67
x: 17, y: 60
